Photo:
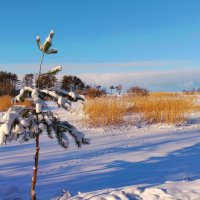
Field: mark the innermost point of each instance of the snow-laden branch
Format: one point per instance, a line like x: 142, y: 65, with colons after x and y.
x: 13, y: 123
x: 71, y: 95
x: 61, y: 101
x: 78, y: 136
x: 55, y: 70
x: 45, y: 48
x: 40, y: 104
x: 35, y: 94
x: 22, y: 94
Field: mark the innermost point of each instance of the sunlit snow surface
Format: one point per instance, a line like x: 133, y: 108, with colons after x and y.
x: 152, y: 162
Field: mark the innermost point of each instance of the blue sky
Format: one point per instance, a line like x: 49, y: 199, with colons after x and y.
x: 154, y: 44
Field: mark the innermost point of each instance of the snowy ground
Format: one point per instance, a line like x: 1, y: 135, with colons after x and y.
x: 152, y: 162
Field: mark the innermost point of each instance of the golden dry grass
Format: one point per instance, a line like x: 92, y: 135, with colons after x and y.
x: 168, y: 108
x: 104, y: 111
x: 5, y: 103
x: 164, y: 94
x: 163, y: 109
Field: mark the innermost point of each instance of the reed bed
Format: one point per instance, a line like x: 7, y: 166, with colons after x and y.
x: 156, y: 108
x: 163, y: 109
x: 6, y: 102
x: 105, y: 111
x: 165, y: 94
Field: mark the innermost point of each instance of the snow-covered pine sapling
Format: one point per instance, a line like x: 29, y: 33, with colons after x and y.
x: 25, y: 123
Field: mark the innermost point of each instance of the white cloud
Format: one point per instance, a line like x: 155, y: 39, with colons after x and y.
x: 174, y: 80
x: 72, y: 68
x: 180, y: 74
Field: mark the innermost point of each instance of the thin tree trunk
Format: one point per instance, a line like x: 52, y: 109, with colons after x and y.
x: 35, y: 168
x: 40, y: 70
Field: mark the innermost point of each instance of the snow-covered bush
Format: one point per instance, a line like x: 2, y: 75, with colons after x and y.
x: 25, y: 123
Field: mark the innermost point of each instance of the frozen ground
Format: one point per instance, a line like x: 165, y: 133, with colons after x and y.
x: 152, y: 162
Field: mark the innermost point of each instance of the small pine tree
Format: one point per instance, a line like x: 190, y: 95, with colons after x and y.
x: 25, y: 123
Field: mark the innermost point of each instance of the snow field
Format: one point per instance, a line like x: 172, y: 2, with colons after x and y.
x: 151, y: 162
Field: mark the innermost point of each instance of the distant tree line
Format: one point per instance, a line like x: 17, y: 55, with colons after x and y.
x: 68, y: 83
x: 192, y: 91
x: 9, y: 81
